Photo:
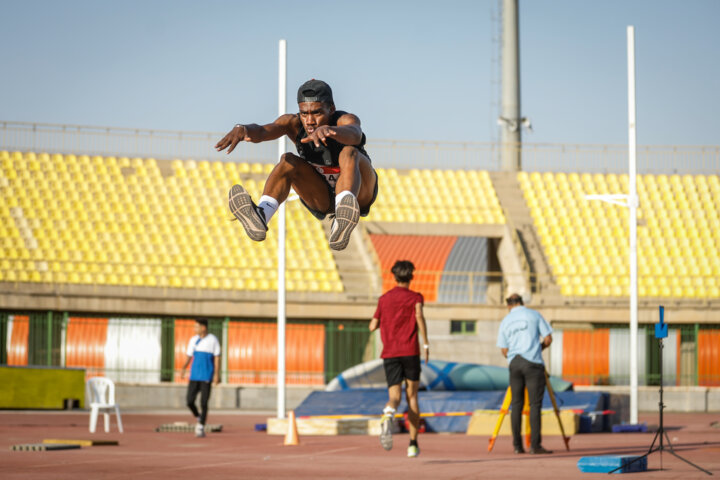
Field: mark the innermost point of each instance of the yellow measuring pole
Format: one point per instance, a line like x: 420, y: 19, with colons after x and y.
x: 503, y: 411
x: 526, y: 411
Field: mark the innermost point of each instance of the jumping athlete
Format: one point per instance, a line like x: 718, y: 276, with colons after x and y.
x: 331, y: 173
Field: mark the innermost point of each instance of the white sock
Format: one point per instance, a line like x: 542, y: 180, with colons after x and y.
x: 342, y: 195
x: 389, y: 409
x: 269, y: 206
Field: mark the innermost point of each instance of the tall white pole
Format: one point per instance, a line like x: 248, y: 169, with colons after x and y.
x: 633, y: 204
x: 282, y: 108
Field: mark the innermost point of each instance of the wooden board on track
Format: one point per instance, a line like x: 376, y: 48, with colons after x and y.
x: 41, y: 447
x: 184, y: 427
x: 82, y: 442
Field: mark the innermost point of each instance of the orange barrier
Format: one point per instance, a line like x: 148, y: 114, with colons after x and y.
x: 17, y: 354
x: 586, y: 356
x: 184, y: 330
x: 427, y: 253
x: 708, y: 343
x: 85, y: 345
x: 252, y: 353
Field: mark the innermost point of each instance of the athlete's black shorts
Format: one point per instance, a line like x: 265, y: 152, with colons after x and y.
x: 331, y: 195
x: 399, y: 368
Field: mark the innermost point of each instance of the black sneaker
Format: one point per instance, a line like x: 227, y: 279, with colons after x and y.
x: 539, y: 451
x: 250, y: 215
x: 519, y: 450
x: 347, y: 215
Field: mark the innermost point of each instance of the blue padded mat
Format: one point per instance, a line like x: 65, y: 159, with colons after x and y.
x: 371, y: 401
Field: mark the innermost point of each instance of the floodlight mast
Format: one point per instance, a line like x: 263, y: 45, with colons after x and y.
x: 510, y: 121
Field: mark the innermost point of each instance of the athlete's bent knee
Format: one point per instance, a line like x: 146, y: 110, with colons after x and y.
x: 289, y: 160
x: 348, y: 153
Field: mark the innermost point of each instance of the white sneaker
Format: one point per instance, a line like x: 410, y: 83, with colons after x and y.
x: 386, y: 439
x: 199, y: 430
x: 347, y: 215
x: 250, y: 215
x: 413, y: 451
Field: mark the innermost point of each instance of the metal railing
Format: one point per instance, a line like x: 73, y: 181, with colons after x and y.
x: 386, y: 153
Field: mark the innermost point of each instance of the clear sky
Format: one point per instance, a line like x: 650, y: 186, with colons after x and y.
x: 420, y: 70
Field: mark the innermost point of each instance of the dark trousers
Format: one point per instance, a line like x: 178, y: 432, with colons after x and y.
x: 525, y: 374
x: 203, y: 388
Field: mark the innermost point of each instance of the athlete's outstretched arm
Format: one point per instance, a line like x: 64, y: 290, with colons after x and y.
x: 347, y: 132
x: 422, y: 327
x: 284, y: 125
x: 374, y: 324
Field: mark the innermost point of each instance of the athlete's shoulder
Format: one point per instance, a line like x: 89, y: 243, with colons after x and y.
x: 390, y: 293
x: 346, y: 118
x: 290, y: 121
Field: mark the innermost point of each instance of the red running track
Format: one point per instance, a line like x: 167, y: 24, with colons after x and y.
x: 238, y: 452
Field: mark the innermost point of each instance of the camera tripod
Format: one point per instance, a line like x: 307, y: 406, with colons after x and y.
x: 660, y: 333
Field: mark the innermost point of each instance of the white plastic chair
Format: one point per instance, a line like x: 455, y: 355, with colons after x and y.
x: 101, y: 397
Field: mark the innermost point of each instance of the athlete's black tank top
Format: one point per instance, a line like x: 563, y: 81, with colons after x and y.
x: 324, y: 155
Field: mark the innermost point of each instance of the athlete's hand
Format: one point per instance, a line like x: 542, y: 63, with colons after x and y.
x: 217, y: 380
x: 320, y: 134
x: 238, y: 134
x: 427, y: 355
x: 182, y: 374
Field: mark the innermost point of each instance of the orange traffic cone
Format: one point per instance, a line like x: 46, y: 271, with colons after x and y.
x: 292, y: 438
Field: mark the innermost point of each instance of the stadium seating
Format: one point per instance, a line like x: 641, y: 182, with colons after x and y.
x: 422, y: 196
x: 140, y: 222
x: 119, y: 221
x: 586, y: 241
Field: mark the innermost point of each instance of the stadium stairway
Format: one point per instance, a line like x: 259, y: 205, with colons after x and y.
x: 358, y: 268
x: 518, y: 217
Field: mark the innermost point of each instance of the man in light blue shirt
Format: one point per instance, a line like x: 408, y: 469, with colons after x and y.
x: 203, y: 351
x: 523, y: 334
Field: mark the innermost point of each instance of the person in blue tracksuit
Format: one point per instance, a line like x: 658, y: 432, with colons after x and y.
x: 203, y: 351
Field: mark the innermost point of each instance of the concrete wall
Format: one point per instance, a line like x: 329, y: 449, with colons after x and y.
x: 470, y: 348
x: 676, y: 399
x: 160, y: 396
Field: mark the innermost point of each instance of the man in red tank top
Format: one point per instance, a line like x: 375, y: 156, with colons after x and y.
x: 399, y: 316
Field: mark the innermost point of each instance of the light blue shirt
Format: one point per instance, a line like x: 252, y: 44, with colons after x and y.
x: 520, y: 332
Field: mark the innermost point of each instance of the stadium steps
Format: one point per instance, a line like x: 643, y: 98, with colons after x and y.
x: 357, y: 265
x: 518, y: 215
